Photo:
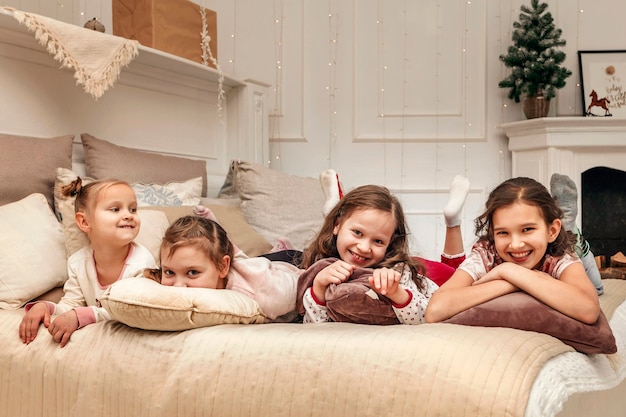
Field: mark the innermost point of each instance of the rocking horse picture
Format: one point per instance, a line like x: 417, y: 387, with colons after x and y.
x: 598, y: 102
x: 603, y: 83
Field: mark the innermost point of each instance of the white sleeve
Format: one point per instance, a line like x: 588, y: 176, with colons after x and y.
x: 313, y: 312
x: 413, y: 312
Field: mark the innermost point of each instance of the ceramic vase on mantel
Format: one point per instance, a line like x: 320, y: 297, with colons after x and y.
x: 536, y: 106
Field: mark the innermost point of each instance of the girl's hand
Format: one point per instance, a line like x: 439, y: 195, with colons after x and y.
x: 63, y: 326
x: 30, y: 323
x: 335, y: 273
x: 386, y: 281
x: 503, y: 272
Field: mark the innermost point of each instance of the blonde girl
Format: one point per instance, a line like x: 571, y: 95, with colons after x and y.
x: 107, y: 212
x: 521, y: 247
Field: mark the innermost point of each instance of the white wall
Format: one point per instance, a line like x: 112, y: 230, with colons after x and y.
x: 438, y: 64
x: 430, y: 67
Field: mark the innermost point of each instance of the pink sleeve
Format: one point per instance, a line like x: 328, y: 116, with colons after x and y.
x: 85, y: 316
x: 50, y: 305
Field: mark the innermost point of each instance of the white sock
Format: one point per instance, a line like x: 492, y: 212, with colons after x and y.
x: 332, y: 189
x: 282, y: 243
x: 458, y: 193
x: 207, y: 213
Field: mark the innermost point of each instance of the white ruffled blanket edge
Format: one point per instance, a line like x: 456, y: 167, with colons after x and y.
x: 572, y: 372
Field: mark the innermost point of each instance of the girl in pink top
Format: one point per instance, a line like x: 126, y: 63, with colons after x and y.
x: 196, y: 252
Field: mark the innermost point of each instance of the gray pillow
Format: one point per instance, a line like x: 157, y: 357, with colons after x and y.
x: 104, y: 159
x: 275, y: 203
x: 28, y: 165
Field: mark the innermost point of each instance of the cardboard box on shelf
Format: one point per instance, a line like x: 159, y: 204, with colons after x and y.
x: 172, y: 26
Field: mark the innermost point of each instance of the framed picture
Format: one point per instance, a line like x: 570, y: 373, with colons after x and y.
x: 603, y: 83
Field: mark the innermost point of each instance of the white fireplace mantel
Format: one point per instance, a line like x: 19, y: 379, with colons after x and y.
x: 567, y: 145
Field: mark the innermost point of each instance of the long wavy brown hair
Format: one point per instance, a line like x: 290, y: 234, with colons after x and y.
x: 366, y: 197
x: 527, y: 191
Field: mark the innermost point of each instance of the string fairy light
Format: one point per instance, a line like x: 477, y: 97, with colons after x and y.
x: 513, y: 12
x: 503, y: 105
x: 83, y: 11
x: 381, y: 76
x: 466, y: 82
x: 573, y: 110
x: 333, y: 37
x: 571, y: 107
x: 438, y: 38
x: 276, y: 113
x: 405, y: 63
x: 233, y: 37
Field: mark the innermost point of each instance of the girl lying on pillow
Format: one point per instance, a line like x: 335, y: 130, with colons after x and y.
x: 196, y: 252
x: 521, y: 247
x: 358, y: 268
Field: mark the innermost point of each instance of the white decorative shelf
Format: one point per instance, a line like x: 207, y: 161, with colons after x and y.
x: 161, y: 103
x: 151, y: 68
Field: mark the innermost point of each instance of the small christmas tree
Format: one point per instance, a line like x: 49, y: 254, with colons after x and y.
x: 534, y: 56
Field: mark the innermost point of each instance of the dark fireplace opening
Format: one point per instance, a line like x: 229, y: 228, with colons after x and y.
x: 603, y: 204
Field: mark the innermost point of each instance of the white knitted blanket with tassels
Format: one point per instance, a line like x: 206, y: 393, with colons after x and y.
x: 96, y: 58
x: 572, y: 372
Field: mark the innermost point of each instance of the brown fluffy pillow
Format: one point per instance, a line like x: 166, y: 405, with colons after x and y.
x: 350, y: 301
x: 522, y: 311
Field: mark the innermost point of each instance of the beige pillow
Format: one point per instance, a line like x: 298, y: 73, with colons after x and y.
x: 32, y: 251
x: 230, y: 217
x: 277, y: 204
x: 146, y: 304
x: 28, y: 164
x: 104, y: 159
x: 153, y: 224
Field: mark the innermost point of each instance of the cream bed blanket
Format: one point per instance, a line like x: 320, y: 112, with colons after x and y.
x: 330, y: 369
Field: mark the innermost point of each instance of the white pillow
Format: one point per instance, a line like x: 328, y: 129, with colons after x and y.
x: 153, y: 224
x: 146, y: 304
x: 33, y: 259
